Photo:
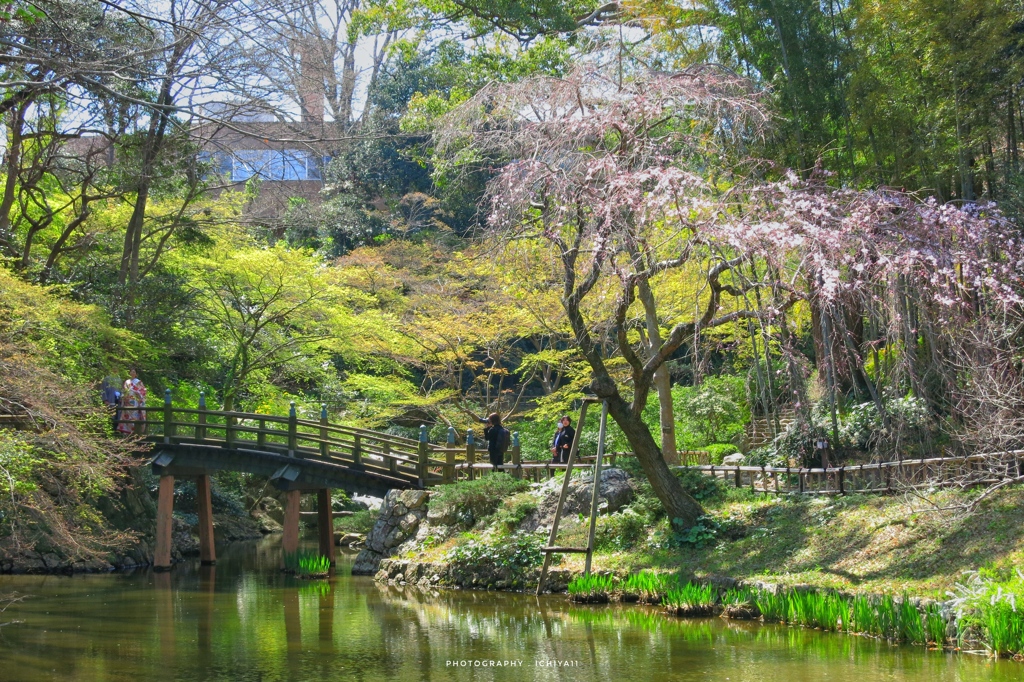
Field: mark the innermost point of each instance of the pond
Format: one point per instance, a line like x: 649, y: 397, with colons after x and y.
x: 244, y: 620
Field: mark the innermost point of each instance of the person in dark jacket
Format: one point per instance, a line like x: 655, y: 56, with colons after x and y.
x: 554, y: 442
x: 563, y: 443
x: 497, y: 439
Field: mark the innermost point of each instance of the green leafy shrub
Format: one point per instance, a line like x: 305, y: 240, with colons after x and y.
x: 702, y: 487
x: 507, y: 557
x: 909, y: 423
x: 625, y: 529
x: 478, y: 499
x: 718, y: 451
x: 360, y: 522
x: 698, y: 535
x: 714, y: 412
x: 765, y: 456
x: 515, y: 510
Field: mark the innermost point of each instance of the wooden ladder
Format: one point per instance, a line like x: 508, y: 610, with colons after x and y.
x: 595, y: 494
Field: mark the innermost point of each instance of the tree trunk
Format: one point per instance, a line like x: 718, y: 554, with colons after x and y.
x: 678, y: 504
x: 666, y: 414
x: 11, y: 181
x: 662, y: 380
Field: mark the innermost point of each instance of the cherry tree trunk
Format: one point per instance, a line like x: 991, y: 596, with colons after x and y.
x: 663, y: 385
x: 678, y: 504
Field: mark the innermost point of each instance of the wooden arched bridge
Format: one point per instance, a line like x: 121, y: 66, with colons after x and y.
x: 298, y: 456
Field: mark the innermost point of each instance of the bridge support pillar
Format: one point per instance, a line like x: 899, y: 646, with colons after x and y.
x: 290, y: 539
x: 325, y: 523
x: 207, y: 554
x: 164, y: 524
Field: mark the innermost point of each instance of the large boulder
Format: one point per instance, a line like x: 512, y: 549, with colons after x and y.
x: 614, y: 494
x: 401, y: 515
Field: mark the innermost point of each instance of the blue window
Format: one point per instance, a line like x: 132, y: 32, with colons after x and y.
x: 290, y: 164
x: 293, y: 165
x: 250, y: 162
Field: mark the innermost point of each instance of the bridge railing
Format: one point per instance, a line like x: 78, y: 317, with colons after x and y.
x: 402, y: 459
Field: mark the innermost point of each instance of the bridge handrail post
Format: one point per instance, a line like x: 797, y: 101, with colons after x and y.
x: 229, y: 433
x: 517, y: 456
x: 201, y: 423
x: 325, y: 450
x: 449, y: 457
x: 168, y: 416
x: 424, y: 453
x: 261, y: 435
x: 293, y: 428
x: 470, y: 454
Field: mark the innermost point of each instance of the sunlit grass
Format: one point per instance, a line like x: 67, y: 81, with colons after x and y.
x: 591, y: 588
x: 307, y: 563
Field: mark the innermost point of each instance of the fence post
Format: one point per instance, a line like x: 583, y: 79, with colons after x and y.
x: 449, y: 457
x: 424, y: 453
x: 201, y: 425
x: 516, y: 456
x: 168, y: 416
x: 293, y: 428
x: 324, y: 448
x: 842, y: 481
x: 470, y: 453
x: 357, y: 450
x: 737, y: 476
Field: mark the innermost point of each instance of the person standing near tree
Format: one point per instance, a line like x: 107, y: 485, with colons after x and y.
x: 554, y: 441
x: 133, y: 399
x: 563, y: 442
x: 497, y: 437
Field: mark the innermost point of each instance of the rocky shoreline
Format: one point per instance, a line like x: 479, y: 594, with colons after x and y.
x: 185, y: 544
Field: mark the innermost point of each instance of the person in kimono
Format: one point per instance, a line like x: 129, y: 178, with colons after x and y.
x: 133, y: 399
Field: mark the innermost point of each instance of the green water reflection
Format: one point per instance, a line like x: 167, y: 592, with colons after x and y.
x: 243, y: 620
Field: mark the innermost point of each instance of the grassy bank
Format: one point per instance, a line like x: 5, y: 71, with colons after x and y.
x: 857, y: 543
x: 860, y: 543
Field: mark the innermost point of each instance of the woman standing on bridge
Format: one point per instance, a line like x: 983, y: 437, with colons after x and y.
x: 133, y: 398
x: 497, y: 437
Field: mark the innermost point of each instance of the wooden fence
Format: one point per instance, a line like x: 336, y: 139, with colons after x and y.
x: 878, y: 477
x: 418, y: 462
